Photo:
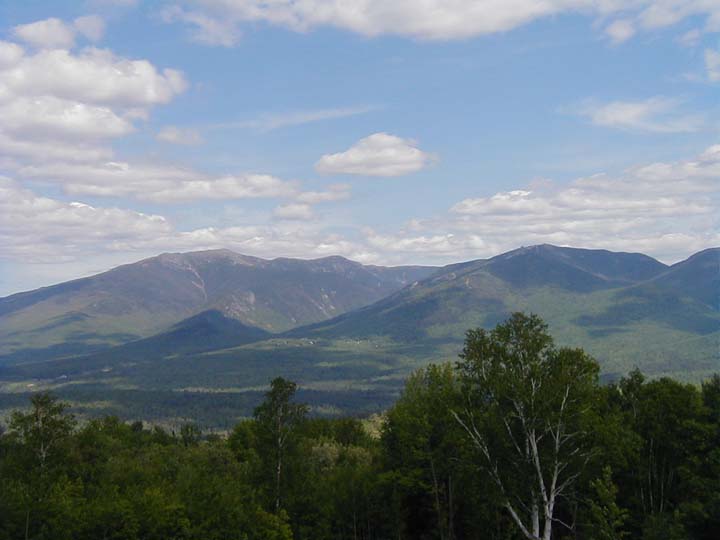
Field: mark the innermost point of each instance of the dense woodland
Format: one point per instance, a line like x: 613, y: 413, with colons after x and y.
x: 516, y: 440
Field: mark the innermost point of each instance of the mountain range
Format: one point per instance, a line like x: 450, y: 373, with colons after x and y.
x: 199, y: 335
x: 141, y: 299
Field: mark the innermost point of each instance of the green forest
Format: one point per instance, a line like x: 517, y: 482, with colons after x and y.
x: 516, y: 440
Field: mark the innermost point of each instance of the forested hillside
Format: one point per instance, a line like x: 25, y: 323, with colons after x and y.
x: 144, y: 298
x: 626, y: 309
x: 515, y: 440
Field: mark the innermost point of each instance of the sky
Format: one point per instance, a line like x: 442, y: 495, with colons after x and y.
x: 386, y: 131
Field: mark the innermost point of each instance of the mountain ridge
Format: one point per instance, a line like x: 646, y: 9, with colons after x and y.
x: 628, y: 310
x: 136, y: 300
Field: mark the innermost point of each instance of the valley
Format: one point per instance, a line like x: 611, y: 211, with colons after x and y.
x: 627, y: 310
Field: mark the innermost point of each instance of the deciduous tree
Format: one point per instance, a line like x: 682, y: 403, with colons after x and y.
x: 525, y: 407
x: 278, y: 417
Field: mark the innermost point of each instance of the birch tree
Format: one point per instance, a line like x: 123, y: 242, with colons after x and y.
x: 40, y: 436
x: 277, y: 417
x: 525, y: 405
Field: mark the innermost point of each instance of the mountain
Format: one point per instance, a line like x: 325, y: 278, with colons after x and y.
x: 141, y: 299
x: 484, y: 292
x: 205, y: 331
x: 581, y: 270
x: 626, y: 309
x: 697, y: 277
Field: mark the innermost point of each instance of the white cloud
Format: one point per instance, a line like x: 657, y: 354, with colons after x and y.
x: 207, y: 30
x: 283, y: 238
x: 433, y: 19
x: 334, y: 192
x: 246, y: 186
x: 159, y: 183
x: 39, y: 151
x: 35, y: 228
x: 294, y: 211
x: 49, y: 117
x: 49, y: 33
x: 668, y: 210
x: 94, y: 76
x: 446, y: 246
x: 58, y: 95
x: 712, y: 64
x: 59, y: 106
x: 620, y: 30
x: 91, y: 27
x: 653, y: 115
x: 176, y: 135
x: 53, y: 33
x: 10, y: 54
x: 379, y: 154
x: 270, y: 122
x: 663, y: 209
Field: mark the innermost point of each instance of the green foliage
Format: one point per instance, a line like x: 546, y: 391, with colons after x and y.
x: 625, y: 310
x: 643, y: 457
x: 606, y: 517
x: 421, y: 443
x: 527, y: 408
x: 277, y: 419
x: 664, y: 527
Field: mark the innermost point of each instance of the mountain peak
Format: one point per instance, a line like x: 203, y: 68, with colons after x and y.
x: 208, y: 256
x: 136, y: 300
x: 572, y: 268
x: 698, y: 276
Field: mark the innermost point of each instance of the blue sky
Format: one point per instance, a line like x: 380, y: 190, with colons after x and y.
x: 388, y: 131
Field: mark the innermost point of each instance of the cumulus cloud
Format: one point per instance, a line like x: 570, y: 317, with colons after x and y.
x: 664, y: 209
x: 159, y: 183
x: 95, y: 76
x: 430, y: 19
x: 653, y: 115
x: 294, y: 211
x: 49, y: 150
x: 54, y: 33
x: 58, y: 105
x: 49, y: 117
x: 379, y: 154
x: 334, y: 192
x: 283, y: 238
x: 445, y: 247
x: 176, y: 135
x: 40, y: 229
x: 36, y: 228
x: 49, y: 33
x: 10, y: 54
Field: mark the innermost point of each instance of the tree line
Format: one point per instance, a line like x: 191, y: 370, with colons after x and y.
x: 516, y: 440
